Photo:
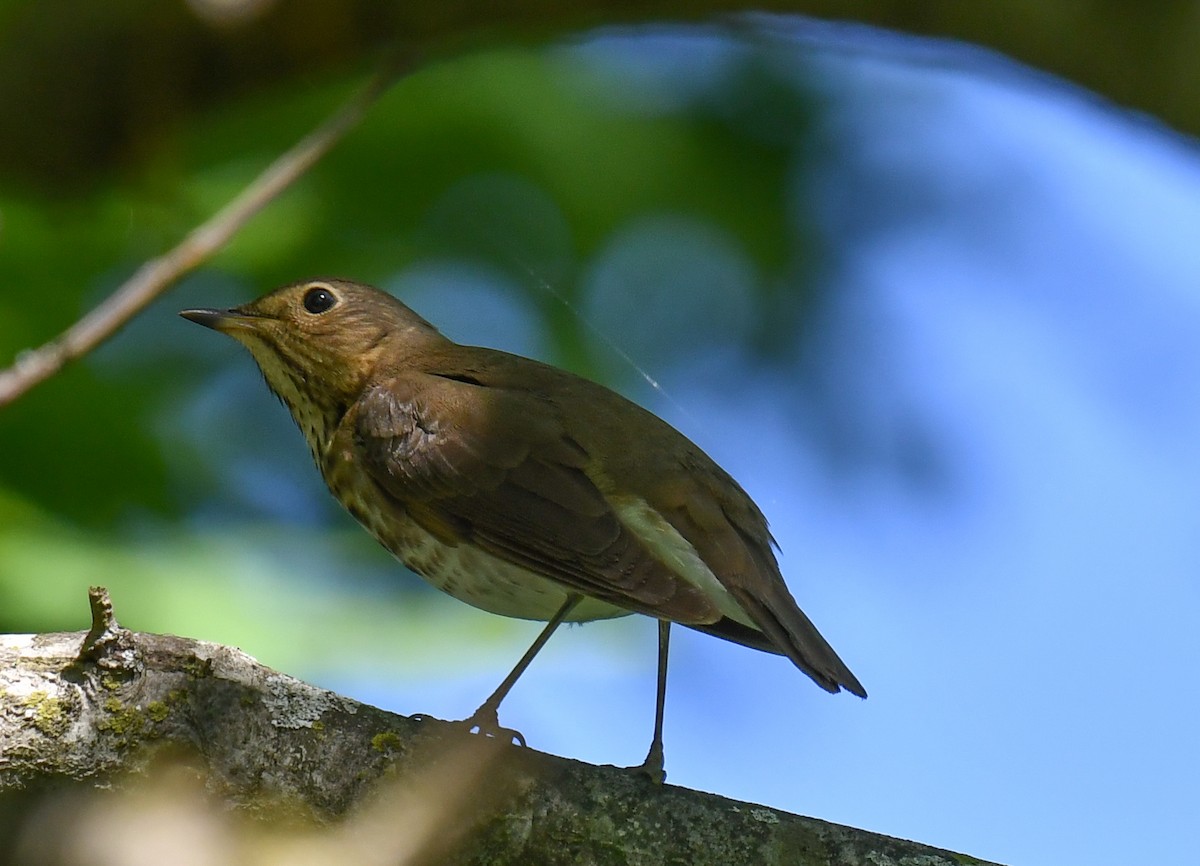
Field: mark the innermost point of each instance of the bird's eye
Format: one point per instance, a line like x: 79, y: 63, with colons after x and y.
x: 319, y: 300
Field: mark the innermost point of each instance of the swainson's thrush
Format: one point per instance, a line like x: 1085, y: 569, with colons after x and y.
x: 520, y: 488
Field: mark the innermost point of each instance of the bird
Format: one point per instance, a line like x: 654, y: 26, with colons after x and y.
x: 519, y: 487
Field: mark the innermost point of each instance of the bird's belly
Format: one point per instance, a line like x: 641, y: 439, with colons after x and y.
x: 482, y: 580
x: 462, y: 570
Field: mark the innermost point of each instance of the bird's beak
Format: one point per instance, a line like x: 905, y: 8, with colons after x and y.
x: 224, y: 321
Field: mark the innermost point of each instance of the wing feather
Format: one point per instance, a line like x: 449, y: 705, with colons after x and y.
x: 495, y: 468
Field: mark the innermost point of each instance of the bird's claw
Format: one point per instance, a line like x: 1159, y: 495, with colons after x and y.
x: 495, y: 732
x: 652, y: 768
x: 486, y: 723
x: 483, y: 723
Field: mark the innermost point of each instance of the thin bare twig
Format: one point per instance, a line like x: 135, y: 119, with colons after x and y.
x: 155, y: 276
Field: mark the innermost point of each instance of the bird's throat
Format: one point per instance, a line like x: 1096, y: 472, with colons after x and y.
x: 316, y: 410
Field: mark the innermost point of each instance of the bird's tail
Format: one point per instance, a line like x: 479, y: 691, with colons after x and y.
x: 794, y: 636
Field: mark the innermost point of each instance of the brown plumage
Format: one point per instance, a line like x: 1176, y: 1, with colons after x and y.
x: 514, y: 485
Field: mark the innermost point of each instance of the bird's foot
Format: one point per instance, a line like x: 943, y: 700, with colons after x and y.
x: 483, y: 722
x: 652, y: 768
x: 486, y: 722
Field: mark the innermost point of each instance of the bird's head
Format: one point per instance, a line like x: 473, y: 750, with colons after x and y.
x: 318, y: 342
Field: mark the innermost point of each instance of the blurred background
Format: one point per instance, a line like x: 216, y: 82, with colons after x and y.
x: 936, y: 310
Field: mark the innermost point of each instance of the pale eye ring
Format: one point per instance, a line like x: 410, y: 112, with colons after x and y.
x: 318, y: 300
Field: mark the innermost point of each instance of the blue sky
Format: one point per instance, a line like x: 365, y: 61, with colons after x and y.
x: 1015, y: 287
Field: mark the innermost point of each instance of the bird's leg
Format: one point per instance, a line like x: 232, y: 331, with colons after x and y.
x: 486, y: 718
x: 653, y: 765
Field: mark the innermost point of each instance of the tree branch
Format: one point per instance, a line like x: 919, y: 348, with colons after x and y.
x: 155, y: 276
x: 113, y: 709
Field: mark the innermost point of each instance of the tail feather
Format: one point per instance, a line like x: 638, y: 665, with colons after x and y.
x: 794, y: 636
x: 750, y: 573
x: 735, y: 632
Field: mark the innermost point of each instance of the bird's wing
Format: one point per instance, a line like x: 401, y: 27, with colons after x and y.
x: 731, y: 535
x: 494, y: 467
